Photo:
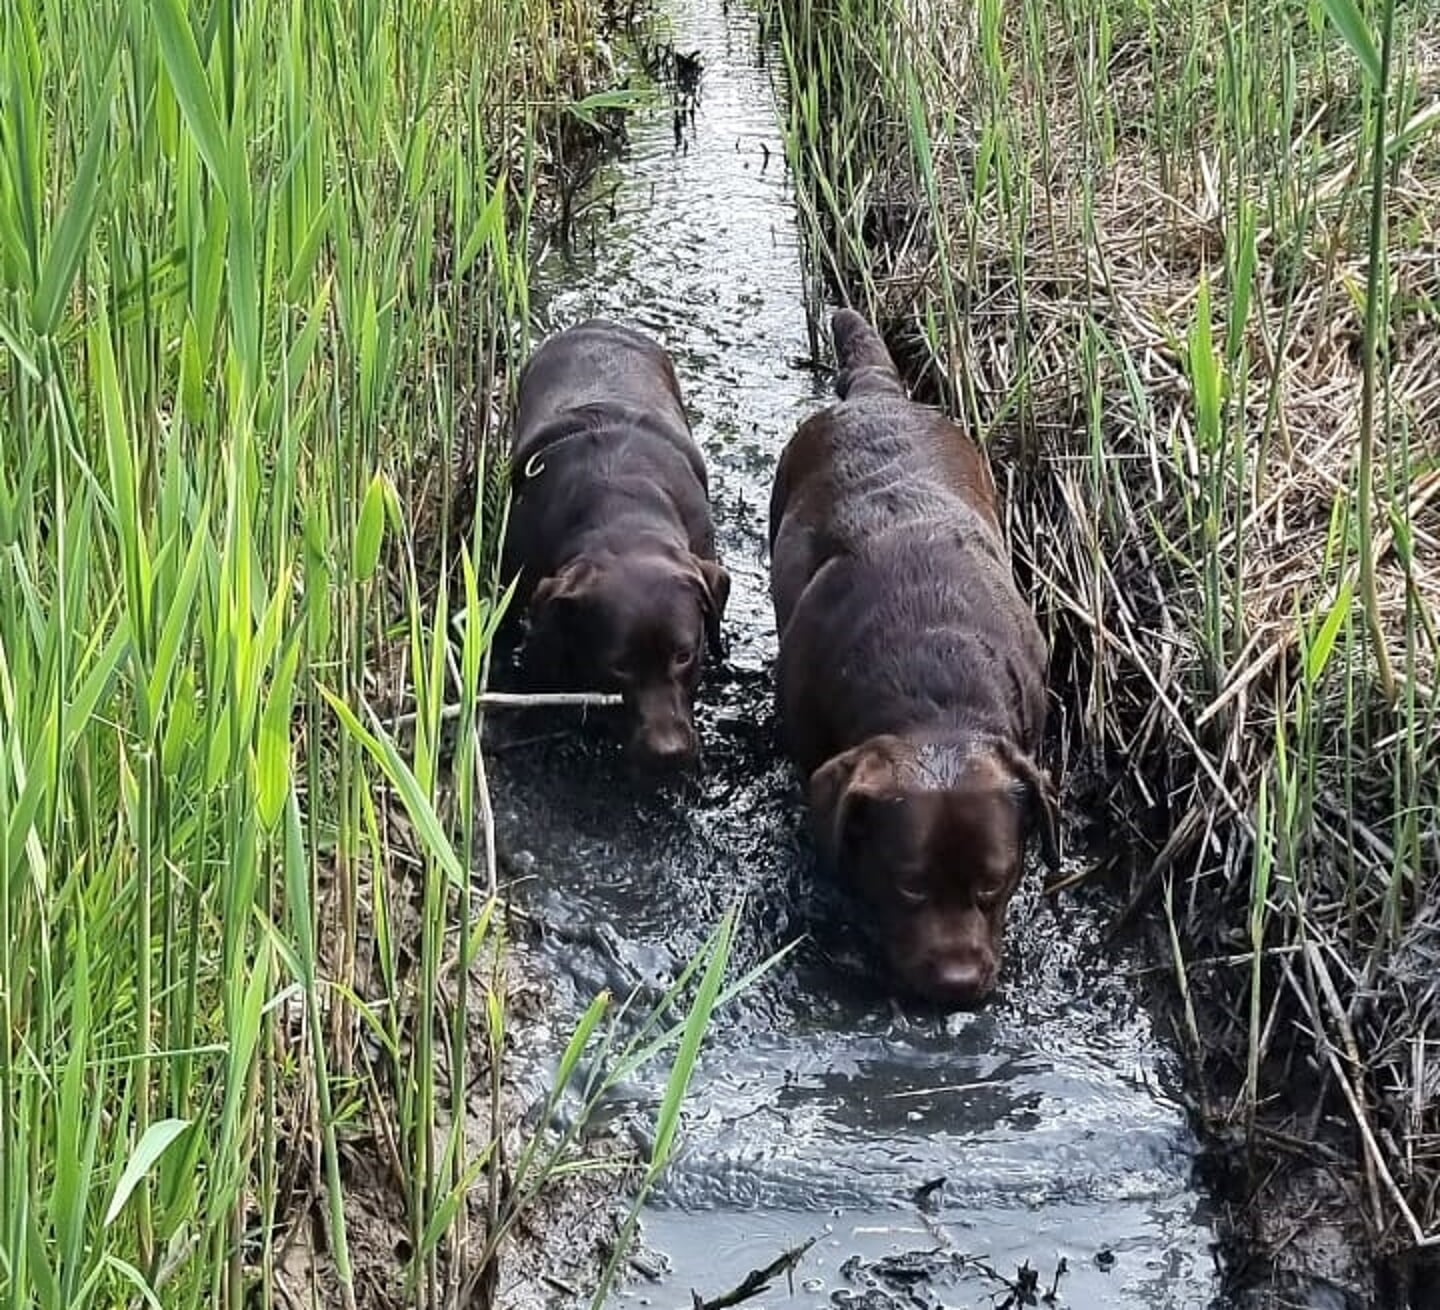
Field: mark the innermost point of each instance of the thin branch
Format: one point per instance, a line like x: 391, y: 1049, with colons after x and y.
x: 512, y: 700
x: 756, y: 1281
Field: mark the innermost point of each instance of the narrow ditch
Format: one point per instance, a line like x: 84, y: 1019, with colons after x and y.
x: 821, y: 1108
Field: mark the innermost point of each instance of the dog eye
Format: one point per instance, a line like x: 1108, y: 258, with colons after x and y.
x: 991, y: 893
x: 914, y: 896
x: 683, y: 659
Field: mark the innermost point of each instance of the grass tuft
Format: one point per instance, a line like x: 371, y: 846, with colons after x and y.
x: 263, y: 283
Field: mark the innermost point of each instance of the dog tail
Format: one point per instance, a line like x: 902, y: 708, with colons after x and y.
x: 865, y: 365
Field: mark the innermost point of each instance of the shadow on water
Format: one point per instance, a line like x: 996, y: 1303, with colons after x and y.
x: 820, y: 1107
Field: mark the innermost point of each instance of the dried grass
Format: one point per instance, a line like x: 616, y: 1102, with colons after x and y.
x: 1063, y: 334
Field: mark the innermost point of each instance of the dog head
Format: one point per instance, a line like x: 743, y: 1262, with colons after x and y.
x: 931, y: 836
x: 638, y: 624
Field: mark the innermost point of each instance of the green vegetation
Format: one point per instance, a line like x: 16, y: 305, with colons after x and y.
x: 1177, y: 263
x: 262, y: 269
x: 263, y: 272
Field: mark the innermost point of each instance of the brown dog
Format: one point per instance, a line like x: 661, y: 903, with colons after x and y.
x: 610, y: 532
x: 911, y: 683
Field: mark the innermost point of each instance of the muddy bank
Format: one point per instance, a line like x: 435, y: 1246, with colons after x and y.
x: 924, y: 1155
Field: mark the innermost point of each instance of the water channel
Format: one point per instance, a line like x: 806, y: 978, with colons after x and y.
x: 821, y: 1107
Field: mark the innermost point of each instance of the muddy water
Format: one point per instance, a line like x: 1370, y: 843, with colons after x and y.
x: 821, y: 1108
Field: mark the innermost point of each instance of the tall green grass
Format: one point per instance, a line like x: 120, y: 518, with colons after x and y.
x: 1175, y: 264
x: 262, y: 270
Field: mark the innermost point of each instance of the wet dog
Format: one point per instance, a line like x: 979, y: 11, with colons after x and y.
x: 911, y: 678
x: 610, y: 533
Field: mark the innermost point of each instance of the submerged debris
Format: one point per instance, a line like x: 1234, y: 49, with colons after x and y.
x: 928, y: 1195
x: 757, y: 1281
x: 913, y: 1279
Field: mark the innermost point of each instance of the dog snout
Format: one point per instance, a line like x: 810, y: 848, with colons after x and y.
x: 955, y: 982
x: 671, y: 743
x: 963, y: 984
x: 664, y: 732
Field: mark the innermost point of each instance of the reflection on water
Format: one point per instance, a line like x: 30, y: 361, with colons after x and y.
x: 820, y: 1106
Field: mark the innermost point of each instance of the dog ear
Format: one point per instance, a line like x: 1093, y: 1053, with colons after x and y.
x: 569, y: 584
x: 549, y: 621
x: 1042, y: 803
x: 845, y: 791
x: 714, y: 592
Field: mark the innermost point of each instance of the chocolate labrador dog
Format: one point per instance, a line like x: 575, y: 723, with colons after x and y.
x: 610, y: 532
x: 911, y: 679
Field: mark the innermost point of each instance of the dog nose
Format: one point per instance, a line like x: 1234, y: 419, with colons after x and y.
x: 668, y: 744
x: 959, y: 983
